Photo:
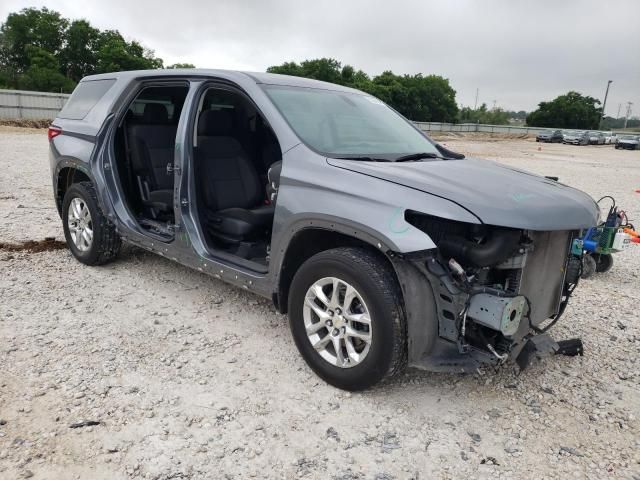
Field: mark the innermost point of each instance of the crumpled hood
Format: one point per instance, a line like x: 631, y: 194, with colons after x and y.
x: 496, y: 194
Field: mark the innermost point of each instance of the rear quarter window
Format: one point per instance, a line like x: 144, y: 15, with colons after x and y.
x: 85, y: 97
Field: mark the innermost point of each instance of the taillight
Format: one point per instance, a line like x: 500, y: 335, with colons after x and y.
x: 53, y: 132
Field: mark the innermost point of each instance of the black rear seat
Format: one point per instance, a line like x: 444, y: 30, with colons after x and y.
x: 152, y: 144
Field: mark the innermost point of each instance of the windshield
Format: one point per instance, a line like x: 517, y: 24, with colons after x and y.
x: 345, y: 124
x: 627, y: 137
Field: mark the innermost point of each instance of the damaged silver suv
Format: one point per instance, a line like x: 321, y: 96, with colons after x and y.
x: 385, y: 248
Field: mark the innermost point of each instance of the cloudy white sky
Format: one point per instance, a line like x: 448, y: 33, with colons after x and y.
x: 515, y: 52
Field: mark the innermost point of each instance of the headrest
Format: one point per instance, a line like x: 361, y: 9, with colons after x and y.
x: 215, y: 123
x: 155, y: 113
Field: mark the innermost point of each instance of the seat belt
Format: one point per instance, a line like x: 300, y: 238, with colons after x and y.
x: 127, y: 151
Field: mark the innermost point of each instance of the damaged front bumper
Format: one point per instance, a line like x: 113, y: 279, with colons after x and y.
x: 456, y: 329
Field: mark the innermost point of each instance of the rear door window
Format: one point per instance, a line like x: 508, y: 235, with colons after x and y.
x: 85, y: 97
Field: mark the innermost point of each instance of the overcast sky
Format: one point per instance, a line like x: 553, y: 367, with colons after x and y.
x: 516, y: 52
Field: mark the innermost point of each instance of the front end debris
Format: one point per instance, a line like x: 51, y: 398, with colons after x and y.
x: 496, y: 290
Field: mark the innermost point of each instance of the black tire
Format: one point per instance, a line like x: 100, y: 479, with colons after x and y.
x: 574, y: 267
x: 604, y: 262
x: 374, y: 279
x: 106, y: 243
x: 588, y: 266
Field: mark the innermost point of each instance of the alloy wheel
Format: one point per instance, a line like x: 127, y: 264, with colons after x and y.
x: 337, y: 322
x: 80, y: 224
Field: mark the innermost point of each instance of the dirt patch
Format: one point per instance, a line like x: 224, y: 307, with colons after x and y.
x: 480, y: 136
x: 34, y: 246
x: 26, y: 123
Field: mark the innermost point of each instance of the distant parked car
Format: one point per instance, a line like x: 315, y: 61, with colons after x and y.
x: 549, y: 136
x: 610, y: 138
x: 576, y: 138
x: 628, y: 142
x: 596, y: 138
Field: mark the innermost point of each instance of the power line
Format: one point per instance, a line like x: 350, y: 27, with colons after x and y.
x: 604, y: 104
x: 626, y: 118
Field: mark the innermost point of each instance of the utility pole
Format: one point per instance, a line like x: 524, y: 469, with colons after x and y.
x: 494, y: 104
x: 619, y: 107
x: 626, y: 118
x: 475, y: 105
x: 604, y: 104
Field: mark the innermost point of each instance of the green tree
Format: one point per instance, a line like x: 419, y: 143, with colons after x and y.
x: 181, y: 65
x: 418, y: 97
x: 115, y: 54
x: 79, y: 56
x: 610, y: 123
x: 43, y: 73
x: 519, y: 115
x: 572, y: 110
x: 41, y: 50
x: 482, y: 114
x: 42, y: 28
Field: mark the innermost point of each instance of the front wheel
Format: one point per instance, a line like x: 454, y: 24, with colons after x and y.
x: 346, y: 318
x: 91, y: 237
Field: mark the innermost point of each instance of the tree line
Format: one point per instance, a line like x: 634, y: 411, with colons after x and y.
x: 430, y: 98
x: 41, y: 50
x: 418, y: 97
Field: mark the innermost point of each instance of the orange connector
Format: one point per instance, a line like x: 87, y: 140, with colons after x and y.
x: 632, y: 232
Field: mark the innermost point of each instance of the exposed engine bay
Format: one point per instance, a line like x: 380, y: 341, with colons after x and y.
x: 495, y: 287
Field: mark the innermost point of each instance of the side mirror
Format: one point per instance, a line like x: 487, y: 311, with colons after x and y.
x: 449, y: 153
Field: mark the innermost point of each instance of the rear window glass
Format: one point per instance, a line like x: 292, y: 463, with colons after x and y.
x: 84, y: 98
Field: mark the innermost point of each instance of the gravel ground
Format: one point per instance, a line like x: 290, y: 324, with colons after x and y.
x: 193, y: 379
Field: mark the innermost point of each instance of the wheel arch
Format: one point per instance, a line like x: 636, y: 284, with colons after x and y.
x: 68, y: 173
x: 314, y: 238
x: 417, y: 296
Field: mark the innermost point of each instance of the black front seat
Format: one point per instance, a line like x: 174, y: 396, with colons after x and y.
x: 232, y: 194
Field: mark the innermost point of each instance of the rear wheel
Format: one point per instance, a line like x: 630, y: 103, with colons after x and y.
x: 91, y: 237
x: 346, y: 318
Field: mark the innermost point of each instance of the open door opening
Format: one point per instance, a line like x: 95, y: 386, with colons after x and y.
x: 144, y: 146
x: 237, y: 162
